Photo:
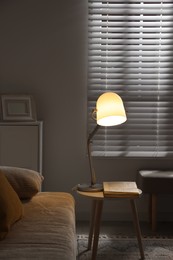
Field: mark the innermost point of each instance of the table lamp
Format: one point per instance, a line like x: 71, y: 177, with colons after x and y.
x: 109, y: 111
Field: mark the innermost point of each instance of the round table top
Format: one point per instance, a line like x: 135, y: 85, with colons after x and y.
x: 97, y: 194
x: 100, y: 195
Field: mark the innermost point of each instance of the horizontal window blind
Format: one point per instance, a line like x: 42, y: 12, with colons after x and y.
x: 130, y: 52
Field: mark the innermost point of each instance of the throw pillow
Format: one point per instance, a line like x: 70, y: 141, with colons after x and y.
x: 11, y: 208
x: 25, y: 182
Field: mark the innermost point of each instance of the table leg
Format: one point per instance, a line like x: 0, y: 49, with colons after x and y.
x: 96, y: 227
x: 137, y: 228
x: 92, y: 223
x: 153, y: 208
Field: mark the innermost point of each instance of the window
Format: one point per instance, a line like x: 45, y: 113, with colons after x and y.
x: 130, y: 52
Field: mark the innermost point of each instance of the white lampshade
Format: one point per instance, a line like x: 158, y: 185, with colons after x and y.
x: 110, y: 110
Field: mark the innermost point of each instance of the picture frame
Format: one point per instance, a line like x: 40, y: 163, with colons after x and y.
x: 18, y: 108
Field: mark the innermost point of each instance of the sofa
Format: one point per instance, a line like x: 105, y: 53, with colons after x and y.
x: 34, y: 224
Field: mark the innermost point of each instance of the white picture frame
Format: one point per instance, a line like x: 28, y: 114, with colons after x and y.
x: 18, y: 108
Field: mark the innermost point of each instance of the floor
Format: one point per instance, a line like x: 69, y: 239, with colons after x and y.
x: 126, y: 228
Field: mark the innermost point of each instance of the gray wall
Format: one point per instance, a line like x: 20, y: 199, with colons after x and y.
x: 43, y: 52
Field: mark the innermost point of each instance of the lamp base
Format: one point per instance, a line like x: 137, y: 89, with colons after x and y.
x: 90, y: 188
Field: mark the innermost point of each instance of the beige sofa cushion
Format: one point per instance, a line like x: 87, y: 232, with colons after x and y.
x: 47, y: 230
x: 25, y: 182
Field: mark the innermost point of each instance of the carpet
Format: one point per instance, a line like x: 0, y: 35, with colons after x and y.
x: 126, y: 248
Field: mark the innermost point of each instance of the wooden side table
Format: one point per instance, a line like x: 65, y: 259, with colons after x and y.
x: 97, y: 206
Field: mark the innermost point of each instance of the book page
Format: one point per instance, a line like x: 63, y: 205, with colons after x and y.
x: 120, y: 188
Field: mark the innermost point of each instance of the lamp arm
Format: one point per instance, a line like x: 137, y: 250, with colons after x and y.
x: 89, y: 141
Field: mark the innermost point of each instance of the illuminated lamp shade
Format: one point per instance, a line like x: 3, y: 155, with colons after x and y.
x: 110, y: 110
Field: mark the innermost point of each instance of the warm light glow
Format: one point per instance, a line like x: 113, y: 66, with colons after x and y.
x: 110, y: 110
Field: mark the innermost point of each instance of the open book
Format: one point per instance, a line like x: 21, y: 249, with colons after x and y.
x: 120, y: 189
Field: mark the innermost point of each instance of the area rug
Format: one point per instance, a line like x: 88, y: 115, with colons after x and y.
x: 126, y: 248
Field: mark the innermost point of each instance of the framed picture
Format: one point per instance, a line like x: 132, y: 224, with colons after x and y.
x: 18, y: 108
